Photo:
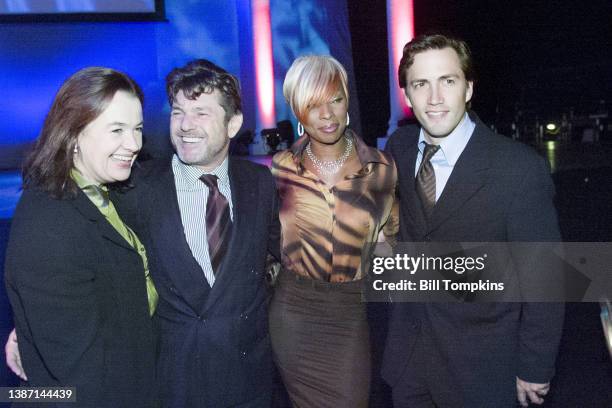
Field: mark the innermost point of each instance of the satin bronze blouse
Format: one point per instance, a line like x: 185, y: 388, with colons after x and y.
x: 325, y: 231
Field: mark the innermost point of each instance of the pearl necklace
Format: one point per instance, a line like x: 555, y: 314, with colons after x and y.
x: 330, y: 167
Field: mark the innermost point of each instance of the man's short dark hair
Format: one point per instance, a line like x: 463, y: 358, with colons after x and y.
x: 202, y: 76
x: 424, y: 43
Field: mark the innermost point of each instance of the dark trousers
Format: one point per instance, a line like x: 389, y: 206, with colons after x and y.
x: 426, y: 382
x: 429, y: 382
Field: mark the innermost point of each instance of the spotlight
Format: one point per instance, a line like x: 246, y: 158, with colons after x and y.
x: 272, y: 138
x: 552, y: 128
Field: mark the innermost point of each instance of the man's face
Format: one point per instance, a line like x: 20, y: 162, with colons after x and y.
x: 437, y: 92
x: 199, y: 132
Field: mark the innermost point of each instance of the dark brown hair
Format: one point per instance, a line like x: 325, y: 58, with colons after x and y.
x: 202, y: 76
x: 80, y: 100
x: 435, y: 42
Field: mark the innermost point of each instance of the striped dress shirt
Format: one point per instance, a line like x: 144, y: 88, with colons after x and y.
x: 192, y: 195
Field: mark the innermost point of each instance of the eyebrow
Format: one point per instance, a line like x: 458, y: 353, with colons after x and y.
x: 447, y: 76
x: 122, y: 124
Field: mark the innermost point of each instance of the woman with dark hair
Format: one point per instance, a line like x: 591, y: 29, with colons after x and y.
x: 76, y: 275
x: 336, y: 196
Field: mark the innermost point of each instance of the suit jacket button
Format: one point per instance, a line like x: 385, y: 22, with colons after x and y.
x: 243, y: 354
x: 415, y: 324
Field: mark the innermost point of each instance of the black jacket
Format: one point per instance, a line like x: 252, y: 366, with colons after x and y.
x: 78, y: 294
x: 499, y: 191
x: 214, y: 342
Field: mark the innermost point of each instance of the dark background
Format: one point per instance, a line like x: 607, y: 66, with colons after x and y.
x: 537, y: 59
x: 540, y: 57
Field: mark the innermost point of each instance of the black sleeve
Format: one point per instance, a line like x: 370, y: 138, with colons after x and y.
x: 533, y: 219
x: 55, y: 303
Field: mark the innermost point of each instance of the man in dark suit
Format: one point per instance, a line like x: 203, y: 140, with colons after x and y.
x: 207, y: 243
x: 460, y: 182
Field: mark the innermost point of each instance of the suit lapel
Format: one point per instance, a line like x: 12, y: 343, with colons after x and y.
x: 244, y: 203
x: 468, y: 177
x: 414, y: 202
x: 168, y: 240
x: 406, y: 160
x: 88, y: 209
x: 91, y: 212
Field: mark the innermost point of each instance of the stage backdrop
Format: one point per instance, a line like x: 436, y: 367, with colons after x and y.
x: 35, y: 58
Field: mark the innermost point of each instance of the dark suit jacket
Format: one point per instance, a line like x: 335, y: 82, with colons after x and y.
x: 214, y: 342
x: 499, y: 191
x: 78, y: 294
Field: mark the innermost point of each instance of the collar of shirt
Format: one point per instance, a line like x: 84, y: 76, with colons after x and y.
x: 452, y: 145
x: 188, y: 177
x: 81, y: 181
x: 365, y: 153
x: 97, y: 193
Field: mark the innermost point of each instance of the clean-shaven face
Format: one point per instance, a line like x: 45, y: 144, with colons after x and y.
x: 109, y: 144
x: 326, y: 122
x: 437, y: 92
x: 198, y: 129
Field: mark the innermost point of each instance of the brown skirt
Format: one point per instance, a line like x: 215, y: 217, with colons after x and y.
x: 321, y: 343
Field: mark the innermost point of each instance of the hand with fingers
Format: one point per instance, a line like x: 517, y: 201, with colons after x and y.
x: 532, y: 391
x: 13, y: 358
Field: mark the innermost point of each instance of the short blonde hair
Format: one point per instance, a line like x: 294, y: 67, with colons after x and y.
x: 312, y: 80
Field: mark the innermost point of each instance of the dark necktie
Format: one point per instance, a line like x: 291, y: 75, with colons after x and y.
x: 426, y: 179
x: 218, y: 222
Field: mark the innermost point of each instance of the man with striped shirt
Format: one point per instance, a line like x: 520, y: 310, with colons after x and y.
x: 209, y: 221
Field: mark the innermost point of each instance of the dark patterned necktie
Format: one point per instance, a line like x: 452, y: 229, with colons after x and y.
x: 426, y: 179
x: 218, y: 222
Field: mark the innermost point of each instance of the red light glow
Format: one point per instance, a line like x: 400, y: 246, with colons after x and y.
x: 401, y: 17
x: 264, y: 72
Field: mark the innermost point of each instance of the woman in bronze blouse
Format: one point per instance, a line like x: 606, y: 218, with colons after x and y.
x: 336, y: 196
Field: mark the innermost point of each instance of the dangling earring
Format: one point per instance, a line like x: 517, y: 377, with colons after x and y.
x: 348, y: 119
x: 300, y: 129
x: 76, y: 149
